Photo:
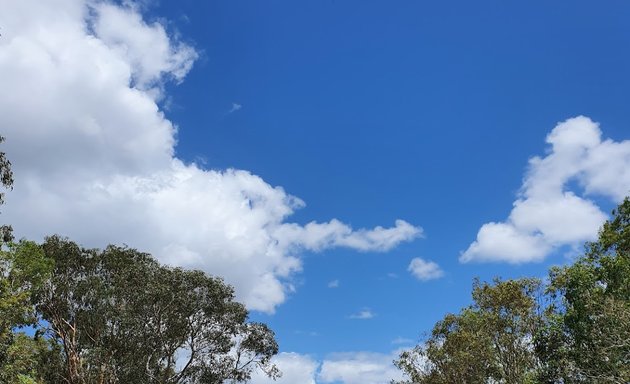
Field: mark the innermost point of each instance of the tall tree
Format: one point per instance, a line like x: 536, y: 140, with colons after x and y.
x: 121, y: 317
x: 587, y: 335
x: 489, y: 341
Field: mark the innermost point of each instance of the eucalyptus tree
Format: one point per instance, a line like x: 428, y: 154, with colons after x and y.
x: 121, y: 317
x: 490, y: 341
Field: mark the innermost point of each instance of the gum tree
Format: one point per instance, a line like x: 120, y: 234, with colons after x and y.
x: 121, y: 317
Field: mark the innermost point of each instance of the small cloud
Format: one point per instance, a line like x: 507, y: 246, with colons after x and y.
x: 392, y: 275
x: 425, y: 270
x: 363, y: 315
x: 333, y: 284
x: 402, y: 340
x: 235, y: 107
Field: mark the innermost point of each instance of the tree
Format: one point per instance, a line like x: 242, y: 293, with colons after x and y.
x: 489, y: 341
x: 23, y: 269
x: 586, y: 338
x: 121, y: 317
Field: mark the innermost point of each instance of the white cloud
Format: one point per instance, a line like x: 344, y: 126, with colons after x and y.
x: 359, y: 368
x: 235, y: 107
x: 363, y: 314
x: 503, y: 242
x: 333, y: 284
x: 425, y: 270
x: 148, y: 50
x: 295, y: 368
x: 93, y: 154
x: 547, y: 214
x: 317, y: 236
x: 344, y: 368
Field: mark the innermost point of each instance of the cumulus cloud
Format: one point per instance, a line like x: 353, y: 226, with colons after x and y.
x: 425, y: 270
x: 94, y: 160
x: 359, y: 368
x: 547, y: 213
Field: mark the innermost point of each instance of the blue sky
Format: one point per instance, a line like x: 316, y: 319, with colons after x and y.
x: 368, y: 112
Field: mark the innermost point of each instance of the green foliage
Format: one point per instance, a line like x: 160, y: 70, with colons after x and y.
x: 489, y: 341
x: 23, y: 363
x: 23, y: 269
x: 587, y: 336
x: 121, y: 317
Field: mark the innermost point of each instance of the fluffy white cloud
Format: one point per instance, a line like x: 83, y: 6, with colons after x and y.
x: 147, y: 49
x: 317, y: 236
x: 94, y: 155
x: 295, y: 368
x: 503, y: 242
x: 359, y: 368
x: 547, y: 214
x: 425, y: 270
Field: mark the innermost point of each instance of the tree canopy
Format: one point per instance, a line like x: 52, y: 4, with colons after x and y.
x: 489, y: 341
x: 576, y: 329
x: 587, y: 335
x: 118, y: 316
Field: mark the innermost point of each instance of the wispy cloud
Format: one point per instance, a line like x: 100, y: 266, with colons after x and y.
x: 333, y: 284
x: 235, y: 107
x: 363, y: 314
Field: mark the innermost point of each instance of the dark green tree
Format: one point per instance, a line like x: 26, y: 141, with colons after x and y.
x: 121, y: 317
x: 586, y: 338
x: 490, y: 341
